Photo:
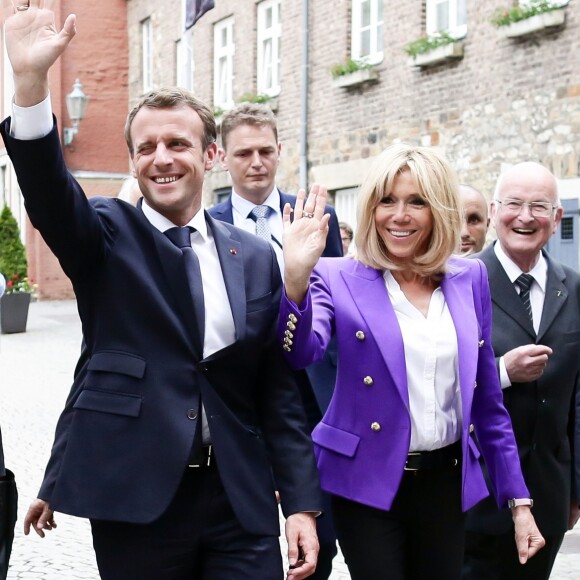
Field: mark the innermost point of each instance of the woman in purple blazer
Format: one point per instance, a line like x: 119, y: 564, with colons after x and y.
x: 416, y: 372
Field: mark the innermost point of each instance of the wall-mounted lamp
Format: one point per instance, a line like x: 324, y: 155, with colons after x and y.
x: 76, y: 105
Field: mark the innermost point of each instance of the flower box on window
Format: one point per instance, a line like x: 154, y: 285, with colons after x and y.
x: 438, y: 55
x: 355, y: 78
x: 535, y: 23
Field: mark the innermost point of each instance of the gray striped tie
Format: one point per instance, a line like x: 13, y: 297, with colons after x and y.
x: 524, y: 282
x: 260, y: 216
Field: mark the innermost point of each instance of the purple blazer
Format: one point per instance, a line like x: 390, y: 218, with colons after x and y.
x: 365, y: 464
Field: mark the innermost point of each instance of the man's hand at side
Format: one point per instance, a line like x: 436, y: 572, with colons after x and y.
x: 40, y: 517
x: 303, y: 544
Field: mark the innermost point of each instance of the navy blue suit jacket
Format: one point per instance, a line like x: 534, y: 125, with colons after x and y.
x: 124, y: 438
x: 317, y: 389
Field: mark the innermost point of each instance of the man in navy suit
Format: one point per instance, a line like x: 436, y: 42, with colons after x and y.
x: 182, y: 414
x: 250, y: 152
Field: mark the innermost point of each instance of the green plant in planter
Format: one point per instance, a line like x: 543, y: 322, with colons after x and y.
x: 13, y: 264
x: 348, y: 67
x: 428, y: 43
x: 260, y: 98
x: 507, y: 16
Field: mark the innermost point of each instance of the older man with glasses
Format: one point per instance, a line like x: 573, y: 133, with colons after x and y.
x: 536, y: 339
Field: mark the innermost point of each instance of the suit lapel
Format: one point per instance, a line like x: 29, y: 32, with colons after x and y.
x: 378, y: 313
x: 230, y: 253
x: 555, y: 297
x: 458, y: 291
x: 504, y: 294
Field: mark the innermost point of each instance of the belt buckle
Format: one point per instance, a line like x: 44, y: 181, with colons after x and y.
x: 412, y: 454
x: 207, y: 457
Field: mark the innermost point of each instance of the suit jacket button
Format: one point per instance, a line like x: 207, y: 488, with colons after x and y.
x: 292, y: 318
x: 375, y: 426
x: 360, y: 334
x: 368, y: 381
x: 288, y: 341
x: 288, y: 334
x: 192, y: 414
x: 286, y: 348
x: 201, y: 368
x: 291, y: 325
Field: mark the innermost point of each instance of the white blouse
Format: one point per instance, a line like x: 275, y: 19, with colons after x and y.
x: 430, y: 345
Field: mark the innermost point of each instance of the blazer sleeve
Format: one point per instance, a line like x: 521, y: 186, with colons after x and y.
x: 305, y: 329
x: 491, y: 420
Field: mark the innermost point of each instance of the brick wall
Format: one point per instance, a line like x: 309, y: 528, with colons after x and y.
x: 505, y: 101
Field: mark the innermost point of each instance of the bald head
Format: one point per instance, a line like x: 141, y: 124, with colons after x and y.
x: 475, y: 220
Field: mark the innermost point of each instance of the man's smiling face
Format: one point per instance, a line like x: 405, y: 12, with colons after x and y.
x: 522, y: 235
x: 169, y: 161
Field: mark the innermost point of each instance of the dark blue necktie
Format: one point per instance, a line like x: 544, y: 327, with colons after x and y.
x: 181, y: 237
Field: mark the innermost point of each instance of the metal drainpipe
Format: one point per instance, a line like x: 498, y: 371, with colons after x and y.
x: 304, y: 100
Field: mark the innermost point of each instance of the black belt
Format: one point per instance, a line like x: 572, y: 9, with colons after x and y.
x: 444, y: 458
x: 204, y: 458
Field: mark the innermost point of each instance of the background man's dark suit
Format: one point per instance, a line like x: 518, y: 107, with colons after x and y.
x: 542, y: 411
x: 124, y: 438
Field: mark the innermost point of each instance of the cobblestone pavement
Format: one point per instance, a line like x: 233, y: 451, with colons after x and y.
x: 36, y: 372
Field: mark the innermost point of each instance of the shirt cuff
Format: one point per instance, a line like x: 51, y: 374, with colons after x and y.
x: 30, y: 123
x: 503, y: 374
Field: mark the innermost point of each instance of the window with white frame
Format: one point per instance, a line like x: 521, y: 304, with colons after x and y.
x: 269, y: 38
x: 147, y: 54
x: 447, y: 16
x: 223, y: 66
x: 367, y: 30
x: 184, y: 63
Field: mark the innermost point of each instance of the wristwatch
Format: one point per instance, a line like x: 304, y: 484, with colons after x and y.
x: 512, y: 503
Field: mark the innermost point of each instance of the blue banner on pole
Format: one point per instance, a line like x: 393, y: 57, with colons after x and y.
x: 195, y: 9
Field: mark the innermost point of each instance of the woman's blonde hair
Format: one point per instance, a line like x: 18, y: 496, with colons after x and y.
x: 436, y: 182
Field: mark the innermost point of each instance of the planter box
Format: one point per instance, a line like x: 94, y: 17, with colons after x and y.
x: 14, y: 312
x: 438, y: 55
x: 535, y: 23
x: 358, y: 77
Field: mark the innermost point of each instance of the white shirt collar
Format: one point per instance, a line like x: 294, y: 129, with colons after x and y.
x: 244, y: 207
x: 539, y: 271
x: 162, y: 223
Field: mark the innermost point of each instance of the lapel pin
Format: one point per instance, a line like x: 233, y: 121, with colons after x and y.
x: 233, y: 251
x: 481, y: 343
x: 559, y: 293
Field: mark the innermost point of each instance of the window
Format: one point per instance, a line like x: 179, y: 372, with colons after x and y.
x: 223, y: 44
x: 447, y: 16
x: 367, y: 30
x: 147, y: 50
x: 269, y: 36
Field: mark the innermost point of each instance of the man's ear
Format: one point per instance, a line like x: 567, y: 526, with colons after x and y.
x: 223, y: 158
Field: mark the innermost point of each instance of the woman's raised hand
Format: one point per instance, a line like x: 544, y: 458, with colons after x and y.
x: 304, y: 239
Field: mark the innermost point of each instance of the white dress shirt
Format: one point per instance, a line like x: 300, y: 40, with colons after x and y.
x: 537, y: 294
x: 241, y: 210
x: 430, y: 345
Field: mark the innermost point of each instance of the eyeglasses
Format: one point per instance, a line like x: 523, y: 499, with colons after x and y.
x: 537, y: 208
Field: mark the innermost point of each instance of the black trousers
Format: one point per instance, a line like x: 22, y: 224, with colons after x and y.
x: 419, y: 538
x: 8, y: 509
x: 495, y: 557
x: 197, y: 538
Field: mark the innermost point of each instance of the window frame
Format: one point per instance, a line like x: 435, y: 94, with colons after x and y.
x: 376, y: 28
x: 274, y: 35
x: 455, y: 29
x: 223, y: 52
x: 146, y: 55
